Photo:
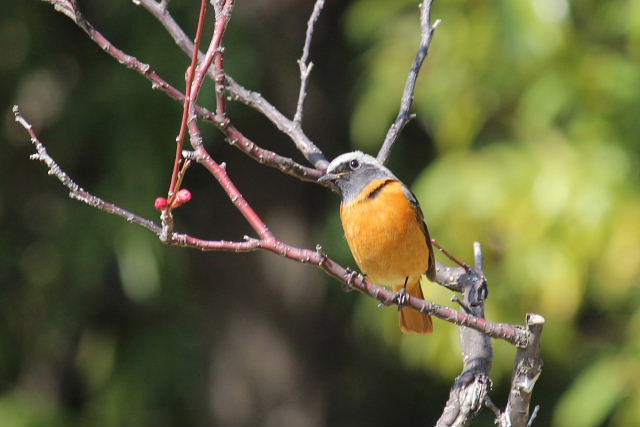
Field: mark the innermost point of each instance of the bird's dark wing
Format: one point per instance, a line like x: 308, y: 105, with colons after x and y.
x: 431, y: 269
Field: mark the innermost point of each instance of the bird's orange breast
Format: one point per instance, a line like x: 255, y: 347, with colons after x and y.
x: 384, y: 233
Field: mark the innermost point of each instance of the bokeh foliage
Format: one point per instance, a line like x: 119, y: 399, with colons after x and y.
x: 525, y: 139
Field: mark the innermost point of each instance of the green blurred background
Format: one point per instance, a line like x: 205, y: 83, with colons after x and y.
x: 526, y: 140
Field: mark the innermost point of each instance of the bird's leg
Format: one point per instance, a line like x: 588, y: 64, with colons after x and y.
x: 401, y: 296
x: 351, y: 276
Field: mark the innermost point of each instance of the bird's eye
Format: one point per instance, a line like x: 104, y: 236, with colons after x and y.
x: 354, y: 164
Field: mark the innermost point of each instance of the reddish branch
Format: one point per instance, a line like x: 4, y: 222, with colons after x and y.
x: 451, y: 256
x: 511, y: 333
x: 187, y: 103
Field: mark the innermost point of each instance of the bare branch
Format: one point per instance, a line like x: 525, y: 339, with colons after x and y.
x: 305, y: 67
x: 187, y: 105
x: 527, y: 369
x: 449, y: 255
x: 75, y: 191
x: 223, y: 11
x: 407, y: 96
x: 255, y: 100
x: 470, y: 389
x: 239, y: 93
x: 215, y: 56
x: 533, y: 416
x: 234, y: 137
x: 449, y: 277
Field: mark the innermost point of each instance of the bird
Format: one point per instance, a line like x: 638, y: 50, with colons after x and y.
x: 385, y: 229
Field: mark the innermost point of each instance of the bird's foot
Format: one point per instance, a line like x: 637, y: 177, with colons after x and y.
x: 351, y: 276
x: 401, y: 297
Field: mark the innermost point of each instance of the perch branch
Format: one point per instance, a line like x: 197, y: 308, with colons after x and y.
x: 514, y: 334
x: 427, y: 30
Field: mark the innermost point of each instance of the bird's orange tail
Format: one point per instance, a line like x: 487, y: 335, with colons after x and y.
x: 411, y: 320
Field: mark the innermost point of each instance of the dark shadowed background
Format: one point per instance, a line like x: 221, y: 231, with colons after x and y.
x: 526, y: 139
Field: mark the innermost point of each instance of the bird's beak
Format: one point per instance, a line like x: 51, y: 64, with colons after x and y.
x: 329, y: 177
x: 329, y: 180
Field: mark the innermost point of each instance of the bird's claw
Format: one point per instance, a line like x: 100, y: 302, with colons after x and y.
x: 401, y: 297
x: 320, y: 251
x: 351, y: 276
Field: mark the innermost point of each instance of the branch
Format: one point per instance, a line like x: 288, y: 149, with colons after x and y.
x: 404, y: 116
x: 234, y: 137
x: 513, y: 334
x: 239, y: 93
x: 215, y: 56
x: 305, y: 67
x: 216, y: 51
x: 255, y: 100
x: 528, y: 367
x: 167, y: 219
x: 75, y: 191
x: 471, y: 387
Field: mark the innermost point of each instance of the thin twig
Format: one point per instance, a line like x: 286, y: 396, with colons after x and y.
x: 173, y: 185
x: 183, y: 171
x: 427, y: 29
x: 489, y: 404
x: 75, y: 191
x: 235, y: 137
x: 533, y: 416
x: 215, y: 57
x: 239, y: 93
x: 477, y: 256
x: 302, y: 142
x: 223, y: 15
x: 305, y: 66
x: 452, y: 257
